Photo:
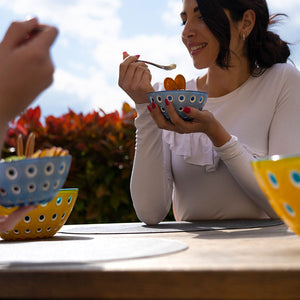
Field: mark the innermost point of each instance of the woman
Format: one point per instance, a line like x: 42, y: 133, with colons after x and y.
x: 252, y: 110
x: 26, y: 70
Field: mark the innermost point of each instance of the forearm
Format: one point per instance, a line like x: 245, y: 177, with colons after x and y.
x: 150, y: 186
x: 237, y: 159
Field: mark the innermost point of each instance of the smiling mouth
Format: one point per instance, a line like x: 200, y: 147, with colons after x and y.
x: 194, y: 49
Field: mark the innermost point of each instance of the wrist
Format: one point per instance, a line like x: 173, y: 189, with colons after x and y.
x: 218, y: 135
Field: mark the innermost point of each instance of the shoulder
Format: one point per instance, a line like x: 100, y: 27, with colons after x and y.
x: 285, y: 70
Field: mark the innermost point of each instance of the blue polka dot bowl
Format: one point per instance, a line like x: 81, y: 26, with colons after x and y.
x: 45, y: 220
x: 279, y: 178
x: 32, y: 180
x: 180, y: 99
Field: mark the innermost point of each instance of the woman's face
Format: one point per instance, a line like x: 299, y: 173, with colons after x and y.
x: 199, y: 40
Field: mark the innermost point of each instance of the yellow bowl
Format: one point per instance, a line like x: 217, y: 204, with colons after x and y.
x: 279, y: 178
x: 45, y: 220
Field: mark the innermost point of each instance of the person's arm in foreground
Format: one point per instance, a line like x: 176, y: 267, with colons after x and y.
x: 26, y: 69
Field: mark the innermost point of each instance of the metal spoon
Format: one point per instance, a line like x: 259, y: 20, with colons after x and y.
x: 168, y: 68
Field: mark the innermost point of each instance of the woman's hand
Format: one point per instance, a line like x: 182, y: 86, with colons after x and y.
x: 135, y: 78
x: 203, y: 121
x: 9, y: 222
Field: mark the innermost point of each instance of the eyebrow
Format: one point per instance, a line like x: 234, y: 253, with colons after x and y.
x: 196, y: 9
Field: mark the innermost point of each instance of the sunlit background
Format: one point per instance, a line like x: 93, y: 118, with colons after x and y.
x: 94, y: 33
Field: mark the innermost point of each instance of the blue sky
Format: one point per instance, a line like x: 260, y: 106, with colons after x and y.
x: 94, y: 33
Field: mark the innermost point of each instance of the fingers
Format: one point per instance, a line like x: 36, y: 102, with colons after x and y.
x: 45, y: 37
x: 125, y: 54
x: 132, y: 74
x: 9, y: 222
x: 18, y: 32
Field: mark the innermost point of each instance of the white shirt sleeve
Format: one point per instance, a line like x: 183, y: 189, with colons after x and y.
x: 237, y: 159
x: 151, y: 180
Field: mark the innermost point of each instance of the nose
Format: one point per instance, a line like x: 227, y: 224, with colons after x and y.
x: 187, y: 31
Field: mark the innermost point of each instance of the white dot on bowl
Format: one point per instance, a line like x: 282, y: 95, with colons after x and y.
x: 11, y: 173
x: 159, y: 99
x: 56, y: 184
x: 170, y: 98
x: 181, y: 98
x: 46, y: 185
x: 31, y: 187
x: 16, y: 189
x: 31, y: 171
x: 58, y: 201
x: 295, y: 178
x: 49, y: 168
x: 27, y: 219
x: 42, y: 218
x: 273, y: 180
x: 3, y: 192
x: 63, y: 215
x: 16, y: 231
x: 48, y: 229
x: 289, y: 209
x: 192, y: 99
x: 39, y: 230
x: 62, y: 168
x: 69, y: 199
x: 54, y: 217
x: 27, y: 231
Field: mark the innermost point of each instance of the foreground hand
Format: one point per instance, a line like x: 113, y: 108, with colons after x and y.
x: 9, y: 222
x: 26, y: 66
x: 135, y: 78
x: 203, y: 121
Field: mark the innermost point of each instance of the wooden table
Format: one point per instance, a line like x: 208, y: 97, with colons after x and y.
x: 258, y: 263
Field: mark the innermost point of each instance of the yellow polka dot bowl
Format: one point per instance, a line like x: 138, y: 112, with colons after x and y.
x: 45, y: 220
x: 279, y: 178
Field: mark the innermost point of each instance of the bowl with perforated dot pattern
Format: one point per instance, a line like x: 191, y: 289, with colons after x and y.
x: 32, y: 180
x: 279, y: 178
x: 180, y: 100
x: 45, y: 220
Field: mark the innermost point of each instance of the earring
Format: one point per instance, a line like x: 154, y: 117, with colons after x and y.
x: 245, y: 35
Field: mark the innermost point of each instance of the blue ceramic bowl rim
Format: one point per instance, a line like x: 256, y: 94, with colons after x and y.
x: 178, y: 92
x: 34, y: 196
x: 26, y: 160
x: 276, y: 157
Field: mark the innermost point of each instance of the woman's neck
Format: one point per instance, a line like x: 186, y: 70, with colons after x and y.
x: 219, y: 82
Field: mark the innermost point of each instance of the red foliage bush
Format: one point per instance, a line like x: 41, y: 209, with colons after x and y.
x: 102, y: 149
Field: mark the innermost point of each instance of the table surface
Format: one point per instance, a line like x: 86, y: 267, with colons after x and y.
x: 253, y: 263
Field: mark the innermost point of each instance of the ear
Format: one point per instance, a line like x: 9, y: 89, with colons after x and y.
x: 247, y: 23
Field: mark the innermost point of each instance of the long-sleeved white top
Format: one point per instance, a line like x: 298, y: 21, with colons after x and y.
x: 206, y: 182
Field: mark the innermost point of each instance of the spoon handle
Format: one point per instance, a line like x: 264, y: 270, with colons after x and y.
x: 169, y: 67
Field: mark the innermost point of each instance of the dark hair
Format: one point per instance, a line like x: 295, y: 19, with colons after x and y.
x: 264, y: 47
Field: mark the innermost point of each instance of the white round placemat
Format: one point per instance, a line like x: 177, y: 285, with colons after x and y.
x: 85, y: 249
x: 171, y: 226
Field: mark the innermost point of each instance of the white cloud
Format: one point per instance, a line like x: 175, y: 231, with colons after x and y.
x: 90, y: 29
x: 172, y: 15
